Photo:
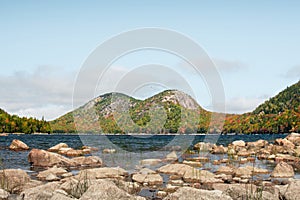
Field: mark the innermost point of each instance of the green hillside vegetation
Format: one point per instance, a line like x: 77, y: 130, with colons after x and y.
x: 288, y: 99
x: 161, y: 113
x: 106, y: 114
x: 279, y: 114
x: 14, y: 124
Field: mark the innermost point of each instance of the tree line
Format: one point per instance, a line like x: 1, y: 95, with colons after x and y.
x: 15, y: 124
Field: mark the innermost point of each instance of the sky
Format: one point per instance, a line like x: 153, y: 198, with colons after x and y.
x: 255, y: 46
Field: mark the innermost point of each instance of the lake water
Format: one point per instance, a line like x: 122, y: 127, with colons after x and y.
x: 130, y: 148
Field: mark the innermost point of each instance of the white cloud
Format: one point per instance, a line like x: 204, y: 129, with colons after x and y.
x: 293, y: 72
x: 50, y: 111
x: 30, y: 93
x: 243, y: 104
x: 229, y: 65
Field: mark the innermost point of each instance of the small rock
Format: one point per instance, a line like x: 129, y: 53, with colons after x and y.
x: 149, y: 179
x: 216, y: 162
x: 175, y: 169
x: 192, y: 163
x: 161, y: 194
x: 54, y: 171
x: 109, y: 151
x: 231, y: 151
x: 256, y: 170
x: 66, y: 175
x: 150, y: 161
x: 199, y: 159
x: 203, y: 147
x: 239, y: 143
x: 52, y: 177
x: 243, y: 172
x: 243, y: 153
x: 147, y: 171
x: 171, y: 156
x: 219, y: 150
x: 285, y: 143
x: 18, y: 145
x: 257, y: 144
x: 90, y: 161
x: 243, y: 160
x: 57, y: 147
x: 225, y: 170
x: 178, y: 182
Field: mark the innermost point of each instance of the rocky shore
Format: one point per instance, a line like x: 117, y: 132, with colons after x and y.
x: 237, y: 175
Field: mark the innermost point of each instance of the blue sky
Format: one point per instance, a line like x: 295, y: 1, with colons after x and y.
x: 255, y: 44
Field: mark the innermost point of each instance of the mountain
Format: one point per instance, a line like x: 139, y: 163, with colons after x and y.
x: 279, y: 114
x: 173, y: 111
x: 288, y: 99
x: 14, y: 124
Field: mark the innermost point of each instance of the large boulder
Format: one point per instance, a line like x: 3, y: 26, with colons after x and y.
x: 57, y: 147
x: 4, y: 195
x: 247, y: 191
x: 45, y: 192
x: 107, y: 190
x: 283, y: 170
x: 17, y: 145
x: 42, y: 158
x: 59, y: 196
x: 189, y: 193
x: 292, y: 191
x: 13, y: 180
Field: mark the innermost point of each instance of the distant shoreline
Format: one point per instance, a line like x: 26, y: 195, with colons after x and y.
x: 141, y: 134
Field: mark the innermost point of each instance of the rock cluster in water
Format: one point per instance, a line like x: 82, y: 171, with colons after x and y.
x: 171, y: 180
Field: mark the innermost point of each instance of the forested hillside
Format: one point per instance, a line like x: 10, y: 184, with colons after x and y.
x: 162, y: 113
x: 280, y: 114
x: 14, y: 124
x: 288, y: 99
